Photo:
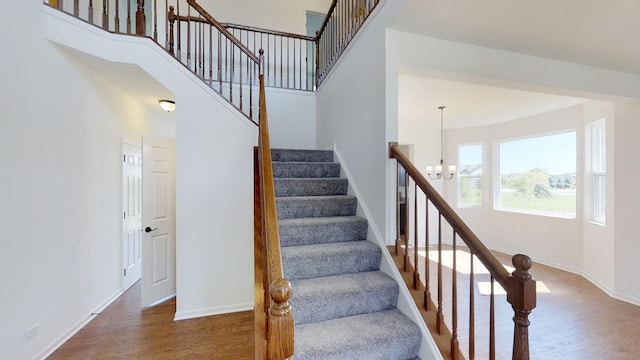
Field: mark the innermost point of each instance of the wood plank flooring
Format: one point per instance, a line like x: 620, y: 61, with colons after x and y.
x: 575, y: 320
x: 125, y: 331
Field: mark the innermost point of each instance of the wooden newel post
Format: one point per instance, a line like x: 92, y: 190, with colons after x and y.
x: 522, y: 300
x: 140, y: 19
x: 280, y: 342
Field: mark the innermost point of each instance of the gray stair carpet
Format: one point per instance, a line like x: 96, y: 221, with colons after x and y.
x: 344, y: 306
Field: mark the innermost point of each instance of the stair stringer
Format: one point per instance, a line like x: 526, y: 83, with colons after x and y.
x: 428, y: 348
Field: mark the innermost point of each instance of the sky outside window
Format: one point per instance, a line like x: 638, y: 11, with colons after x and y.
x: 554, y: 153
x: 538, y: 175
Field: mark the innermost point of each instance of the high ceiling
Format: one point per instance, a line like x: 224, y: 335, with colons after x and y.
x: 469, y: 105
x: 592, y: 32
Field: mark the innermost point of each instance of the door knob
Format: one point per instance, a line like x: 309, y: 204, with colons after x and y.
x: 148, y: 229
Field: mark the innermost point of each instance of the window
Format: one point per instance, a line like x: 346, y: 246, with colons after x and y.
x: 599, y: 170
x: 469, y: 175
x: 538, y: 175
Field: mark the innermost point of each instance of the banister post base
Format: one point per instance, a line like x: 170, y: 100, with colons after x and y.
x: 280, y: 321
x: 522, y: 300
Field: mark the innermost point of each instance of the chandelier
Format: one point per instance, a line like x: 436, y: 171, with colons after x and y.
x: 438, y: 168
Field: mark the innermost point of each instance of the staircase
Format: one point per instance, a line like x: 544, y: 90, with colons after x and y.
x: 344, y: 307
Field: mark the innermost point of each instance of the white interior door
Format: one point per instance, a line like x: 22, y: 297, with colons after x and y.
x: 158, y: 220
x: 132, y: 213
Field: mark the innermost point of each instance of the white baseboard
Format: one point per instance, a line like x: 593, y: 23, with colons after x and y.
x: 539, y: 261
x: 607, y: 290
x: 77, y: 327
x: 628, y: 299
x: 216, y: 310
x: 599, y: 285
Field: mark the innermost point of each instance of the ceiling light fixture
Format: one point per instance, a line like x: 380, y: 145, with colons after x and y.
x: 167, y: 105
x: 438, y: 168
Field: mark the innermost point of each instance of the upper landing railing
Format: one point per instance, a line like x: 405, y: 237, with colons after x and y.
x: 292, y: 61
x: 205, y: 47
x: 219, y: 53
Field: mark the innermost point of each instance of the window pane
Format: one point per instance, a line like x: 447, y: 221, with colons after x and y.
x: 599, y: 147
x: 599, y: 168
x: 470, y: 189
x: 539, y: 175
x: 469, y: 175
x: 599, y: 200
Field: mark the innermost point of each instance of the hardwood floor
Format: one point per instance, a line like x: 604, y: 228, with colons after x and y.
x: 575, y: 320
x: 125, y: 331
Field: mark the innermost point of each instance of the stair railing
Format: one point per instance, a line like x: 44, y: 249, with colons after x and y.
x: 290, y: 59
x: 274, y: 325
x: 218, y: 58
x: 223, y: 55
x: 302, y: 62
x: 519, y: 286
x: 114, y: 16
x: 343, y: 20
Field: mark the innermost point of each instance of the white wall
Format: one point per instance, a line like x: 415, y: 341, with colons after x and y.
x: 599, y: 241
x: 214, y: 158
x: 292, y: 118
x: 627, y: 201
x: 60, y: 145
x: 351, y: 106
x: 282, y: 15
x: 426, y: 141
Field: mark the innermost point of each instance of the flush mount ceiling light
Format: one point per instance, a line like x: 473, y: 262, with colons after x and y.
x: 167, y: 105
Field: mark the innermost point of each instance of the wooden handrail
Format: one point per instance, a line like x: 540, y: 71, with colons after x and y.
x: 479, y: 249
x: 223, y: 30
x: 287, y: 64
x: 519, y: 286
x: 267, y: 31
x: 334, y: 3
x: 280, y: 325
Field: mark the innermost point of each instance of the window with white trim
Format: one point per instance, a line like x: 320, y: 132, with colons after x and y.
x: 469, y: 176
x: 538, y: 175
x: 599, y: 169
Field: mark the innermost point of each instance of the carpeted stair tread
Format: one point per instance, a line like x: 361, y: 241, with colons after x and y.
x: 305, y: 169
x: 301, y: 155
x: 383, y: 335
x: 343, y: 306
x: 286, y: 187
x: 330, y: 297
x: 306, y: 231
x: 315, y: 206
x: 308, y: 261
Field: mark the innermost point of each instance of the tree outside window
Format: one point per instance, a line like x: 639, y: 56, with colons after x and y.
x: 470, y: 175
x: 538, y: 175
